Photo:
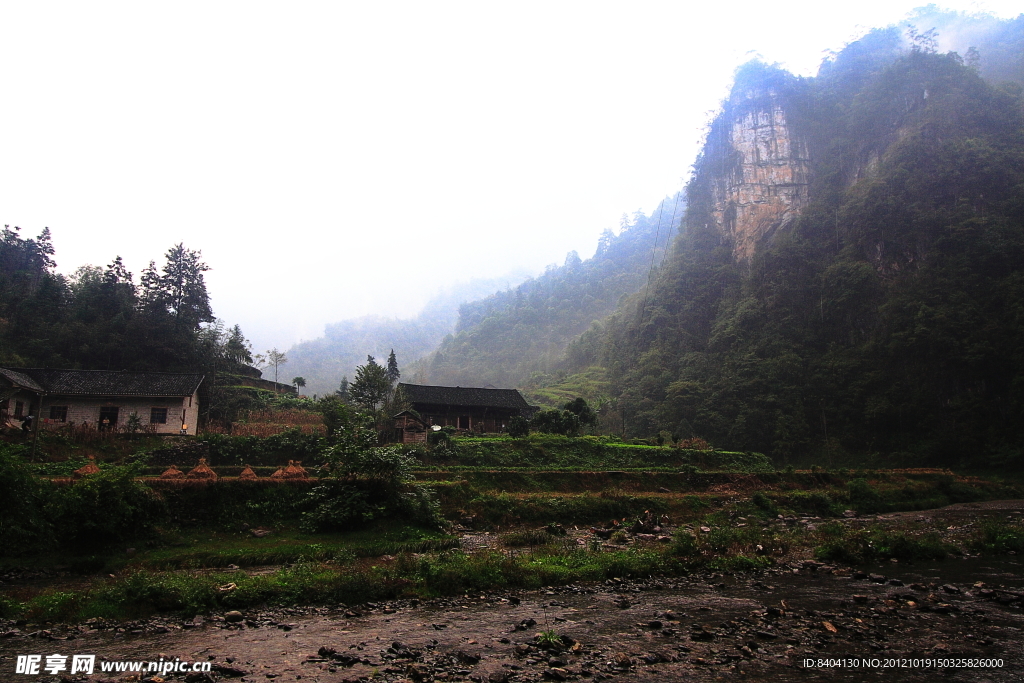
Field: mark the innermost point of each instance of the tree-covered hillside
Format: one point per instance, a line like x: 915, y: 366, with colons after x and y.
x: 507, y: 337
x: 325, y: 361
x: 887, y: 320
x: 101, y: 319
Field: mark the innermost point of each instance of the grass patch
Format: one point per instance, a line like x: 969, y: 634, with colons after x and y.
x: 518, y: 539
x: 144, y: 592
x: 855, y: 547
x: 999, y: 538
x: 288, y: 546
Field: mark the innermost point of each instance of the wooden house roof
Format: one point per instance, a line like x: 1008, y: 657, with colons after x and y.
x: 465, y: 396
x: 21, y: 380
x: 105, y: 383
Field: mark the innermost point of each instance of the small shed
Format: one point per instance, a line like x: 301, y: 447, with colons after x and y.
x: 410, y: 428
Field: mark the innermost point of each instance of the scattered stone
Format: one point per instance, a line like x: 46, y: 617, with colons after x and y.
x: 233, y: 616
x: 229, y: 671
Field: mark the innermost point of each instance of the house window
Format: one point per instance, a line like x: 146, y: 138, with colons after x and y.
x: 158, y: 416
x: 59, y: 413
x: 19, y: 409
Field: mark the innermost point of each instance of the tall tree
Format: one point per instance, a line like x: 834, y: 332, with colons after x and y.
x: 236, y: 348
x: 371, y: 386
x: 276, y: 359
x: 184, y: 287
x: 393, y: 372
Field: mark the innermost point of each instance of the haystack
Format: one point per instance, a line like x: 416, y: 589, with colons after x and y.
x: 247, y: 474
x: 89, y: 468
x: 202, y: 471
x: 279, y: 474
x: 172, y: 472
x: 295, y: 470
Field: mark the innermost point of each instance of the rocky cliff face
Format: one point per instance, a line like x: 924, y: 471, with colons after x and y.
x: 766, y: 184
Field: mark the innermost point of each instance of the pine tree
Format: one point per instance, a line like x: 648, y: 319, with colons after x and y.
x: 393, y: 372
x: 184, y: 287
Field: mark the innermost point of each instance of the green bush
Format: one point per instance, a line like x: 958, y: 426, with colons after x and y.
x: 556, y: 422
x: 105, y: 508
x: 855, y: 547
x: 24, y: 526
x: 291, y: 444
x: 518, y: 427
x: 764, y: 503
x: 1000, y: 538
x: 363, y: 483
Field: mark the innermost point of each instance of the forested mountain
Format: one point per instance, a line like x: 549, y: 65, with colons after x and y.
x: 507, y: 337
x: 325, y: 361
x: 849, y: 278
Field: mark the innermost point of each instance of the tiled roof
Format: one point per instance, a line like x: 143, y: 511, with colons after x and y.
x: 465, y: 396
x: 19, y: 379
x: 107, y: 383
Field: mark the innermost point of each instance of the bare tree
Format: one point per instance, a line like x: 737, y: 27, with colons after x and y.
x: 276, y: 359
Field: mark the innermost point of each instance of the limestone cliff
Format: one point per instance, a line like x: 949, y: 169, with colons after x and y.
x: 765, y: 184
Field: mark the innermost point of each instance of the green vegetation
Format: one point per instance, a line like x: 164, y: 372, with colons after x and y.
x: 856, y: 547
x: 519, y: 336
x: 1000, y: 538
x: 882, y: 320
x: 594, y: 452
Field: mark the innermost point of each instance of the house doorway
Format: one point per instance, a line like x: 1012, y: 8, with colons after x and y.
x: 463, y: 421
x: 108, y: 418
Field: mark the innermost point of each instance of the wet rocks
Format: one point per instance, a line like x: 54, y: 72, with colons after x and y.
x: 525, y: 624
x: 702, y: 633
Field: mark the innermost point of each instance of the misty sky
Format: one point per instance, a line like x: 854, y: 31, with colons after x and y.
x: 333, y: 159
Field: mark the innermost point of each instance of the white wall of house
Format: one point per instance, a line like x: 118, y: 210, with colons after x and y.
x: 86, y: 409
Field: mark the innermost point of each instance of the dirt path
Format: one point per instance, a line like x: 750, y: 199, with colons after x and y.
x: 700, y: 628
x: 708, y: 627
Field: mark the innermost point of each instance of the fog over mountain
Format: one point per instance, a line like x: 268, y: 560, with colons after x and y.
x: 338, y: 160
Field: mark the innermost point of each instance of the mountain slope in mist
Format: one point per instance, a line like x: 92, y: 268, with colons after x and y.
x: 507, y: 337
x: 323, y: 362
x: 849, y: 276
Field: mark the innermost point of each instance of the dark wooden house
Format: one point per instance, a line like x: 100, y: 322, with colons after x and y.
x: 465, y: 408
